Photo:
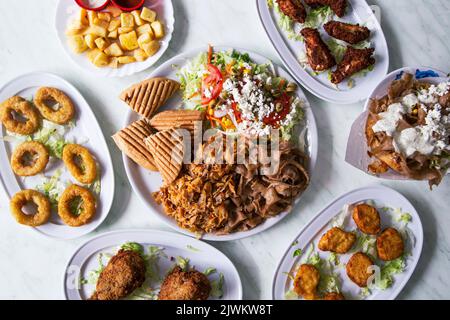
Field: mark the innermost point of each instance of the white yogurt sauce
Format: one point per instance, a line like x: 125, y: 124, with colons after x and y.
x: 389, y: 119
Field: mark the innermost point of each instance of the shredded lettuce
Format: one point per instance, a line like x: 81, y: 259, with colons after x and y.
x: 217, y: 286
x: 366, y: 244
x: 297, y: 253
x: 390, y: 269
x: 291, y: 295
x: 133, y: 246
x: 193, y: 249
x: 209, y: 271
x: 52, y: 187
x: 183, y: 263
x: 318, y: 16
x: 286, y: 24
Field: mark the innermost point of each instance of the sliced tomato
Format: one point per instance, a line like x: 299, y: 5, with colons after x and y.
x: 212, y: 82
x: 275, y: 116
x: 237, y: 113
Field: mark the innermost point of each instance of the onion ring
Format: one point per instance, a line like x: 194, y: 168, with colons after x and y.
x: 25, y: 197
x: 30, y: 149
x: 65, y: 111
x: 18, y: 106
x: 86, y: 171
x: 87, y: 206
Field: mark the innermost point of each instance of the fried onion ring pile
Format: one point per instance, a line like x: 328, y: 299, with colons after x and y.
x: 84, y: 172
x: 24, y: 197
x: 64, y: 111
x: 67, y: 205
x: 19, y: 116
x: 29, y: 159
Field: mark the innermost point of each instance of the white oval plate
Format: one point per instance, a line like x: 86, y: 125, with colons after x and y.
x: 358, y: 11
x: 66, y: 10
x: 200, y: 254
x: 87, y: 128
x: 311, y: 233
x: 144, y: 183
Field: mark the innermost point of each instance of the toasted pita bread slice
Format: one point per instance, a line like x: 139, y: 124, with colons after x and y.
x: 148, y: 96
x: 131, y: 142
x: 168, y: 150
x: 174, y: 119
x: 392, y: 159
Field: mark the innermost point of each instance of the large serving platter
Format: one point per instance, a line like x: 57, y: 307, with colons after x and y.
x: 144, y: 183
x: 86, y: 131
x: 290, y: 50
x: 200, y: 254
x: 383, y: 197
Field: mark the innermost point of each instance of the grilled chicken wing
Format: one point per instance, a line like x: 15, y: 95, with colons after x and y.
x: 319, y: 55
x: 338, y: 6
x: 294, y: 9
x: 350, y: 33
x: 354, y: 61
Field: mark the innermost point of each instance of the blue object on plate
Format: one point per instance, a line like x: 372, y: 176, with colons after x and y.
x: 399, y: 75
x: 426, y: 74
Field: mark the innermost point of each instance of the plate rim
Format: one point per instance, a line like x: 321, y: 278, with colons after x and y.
x: 312, y: 129
x: 108, y: 159
x: 396, y: 291
x: 155, y: 232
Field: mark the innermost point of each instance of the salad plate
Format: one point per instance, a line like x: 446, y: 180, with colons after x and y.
x: 144, y: 182
x: 84, y: 130
x: 395, y: 211
x: 164, y: 250
x: 285, y: 38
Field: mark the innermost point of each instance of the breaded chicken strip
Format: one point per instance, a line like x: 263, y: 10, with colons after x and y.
x: 124, y: 273
x: 338, y: 6
x: 390, y: 245
x: 367, y: 218
x: 354, y: 61
x: 185, y: 285
x: 337, y: 240
x: 351, y: 33
x: 306, y: 281
x: 319, y: 55
x: 294, y: 9
x: 358, y: 269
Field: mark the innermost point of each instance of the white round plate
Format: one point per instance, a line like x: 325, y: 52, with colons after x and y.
x: 67, y: 9
x: 144, y: 183
x: 86, y: 130
x: 200, y: 254
x: 311, y: 233
x: 358, y: 11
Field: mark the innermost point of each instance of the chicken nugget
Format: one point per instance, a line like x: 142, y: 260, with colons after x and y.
x: 185, y: 285
x: 367, y: 218
x: 354, y: 61
x: 338, y: 6
x: 306, y: 281
x: 357, y: 269
x: 319, y: 55
x: 351, y: 33
x: 333, y: 296
x: 294, y: 9
x: 390, y: 245
x: 337, y: 240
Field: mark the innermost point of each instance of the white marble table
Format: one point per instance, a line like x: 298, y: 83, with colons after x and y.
x: 31, y: 266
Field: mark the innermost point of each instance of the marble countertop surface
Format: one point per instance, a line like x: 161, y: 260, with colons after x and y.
x: 31, y: 266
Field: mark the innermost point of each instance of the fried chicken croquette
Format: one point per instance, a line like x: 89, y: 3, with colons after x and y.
x: 367, y: 218
x: 390, y: 245
x: 354, y: 61
x: 185, y: 285
x: 350, y: 33
x: 357, y: 269
x: 337, y: 240
x: 333, y: 296
x: 338, y: 6
x: 306, y: 281
x: 319, y: 55
x: 294, y: 9
x: 123, y: 274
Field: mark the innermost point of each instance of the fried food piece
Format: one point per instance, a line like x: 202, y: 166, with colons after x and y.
x: 318, y: 53
x: 54, y: 105
x: 337, y: 240
x: 29, y: 159
x: 333, y: 296
x: 306, y: 281
x: 24, y: 197
x: 185, y: 285
x: 123, y: 274
x: 76, y: 206
x: 367, y: 218
x: 338, y: 6
x: 80, y: 163
x: 354, y: 61
x: 351, y: 33
x: 294, y: 9
x: 390, y: 245
x: 19, y: 116
x: 357, y: 269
